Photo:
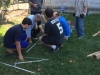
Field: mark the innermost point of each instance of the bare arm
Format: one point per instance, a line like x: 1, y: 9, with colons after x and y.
x: 85, y: 9
x: 74, y: 10
x: 43, y: 18
x: 42, y: 30
x: 36, y: 27
x: 75, y: 7
x: 18, y: 47
x: 30, y: 41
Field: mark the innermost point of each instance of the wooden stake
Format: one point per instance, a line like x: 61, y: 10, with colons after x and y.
x: 96, y: 33
x: 90, y: 55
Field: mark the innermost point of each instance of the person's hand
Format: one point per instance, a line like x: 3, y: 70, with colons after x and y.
x: 40, y: 26
x: 35, y: 6
x: 73, y: 14
x: 21, y: 58
x: 30, y: 41
x: 69, y: 22
x: 26, y: 39
x: 42, y: 16
x: 81, y: 15
x: 36, y: 27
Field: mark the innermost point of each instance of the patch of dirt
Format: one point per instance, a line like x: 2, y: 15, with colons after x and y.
x: 16, y: 15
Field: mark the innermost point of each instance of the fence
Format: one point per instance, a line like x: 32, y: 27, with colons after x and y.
x: 93, y: 5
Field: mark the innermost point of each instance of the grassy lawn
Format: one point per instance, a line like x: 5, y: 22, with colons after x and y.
x: 69, y: 60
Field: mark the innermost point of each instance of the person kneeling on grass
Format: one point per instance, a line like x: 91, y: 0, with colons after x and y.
x: 33, y: 30
x: 53, y: 31
x: 14, y: 39
x: 64, y: 24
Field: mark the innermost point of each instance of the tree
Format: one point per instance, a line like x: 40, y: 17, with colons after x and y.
x: 4, y: 4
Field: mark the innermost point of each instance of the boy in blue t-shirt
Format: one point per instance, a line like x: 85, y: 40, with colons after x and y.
x: 65, y: 25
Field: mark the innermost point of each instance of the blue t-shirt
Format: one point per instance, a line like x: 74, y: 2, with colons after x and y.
x: 65, y: 26
x: 13, y: 34
x: 28, y: 30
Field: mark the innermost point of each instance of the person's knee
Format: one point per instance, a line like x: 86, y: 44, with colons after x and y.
x: 24, y: 44
x: 40, y: 38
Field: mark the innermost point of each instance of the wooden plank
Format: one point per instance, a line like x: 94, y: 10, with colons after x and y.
x: 90, y: 55
x: 97, y: 56
x: 96, y: 33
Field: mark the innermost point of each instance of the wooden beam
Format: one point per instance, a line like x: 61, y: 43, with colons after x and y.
x: 90, y: 55
x: 95, y: 55
x: 96, y: 33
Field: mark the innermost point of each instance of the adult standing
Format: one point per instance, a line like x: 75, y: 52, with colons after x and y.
x: 35, y: 7
x: 80, y: 12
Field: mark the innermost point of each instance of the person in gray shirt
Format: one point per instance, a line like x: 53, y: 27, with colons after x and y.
x: 79, y: 13
x: 35, y: 8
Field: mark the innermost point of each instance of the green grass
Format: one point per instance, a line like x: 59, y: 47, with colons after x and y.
x: 69, y: 60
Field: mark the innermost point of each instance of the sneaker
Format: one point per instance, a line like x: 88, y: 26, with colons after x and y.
x: 80, y: 37
x: 56, y: 49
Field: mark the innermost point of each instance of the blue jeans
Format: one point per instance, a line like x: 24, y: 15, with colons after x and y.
x: 23, y: 43
x: 79, y: 26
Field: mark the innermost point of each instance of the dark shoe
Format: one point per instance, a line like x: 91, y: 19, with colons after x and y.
x: 56, y: 49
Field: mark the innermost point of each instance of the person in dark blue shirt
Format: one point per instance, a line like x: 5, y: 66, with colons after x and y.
x: 14, y: 39
x: 53, y: 31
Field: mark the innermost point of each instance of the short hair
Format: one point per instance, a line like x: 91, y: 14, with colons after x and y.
x: 48, y: 12
x: 57, y: 14
x: 38, y: 17
x: 27, y: 21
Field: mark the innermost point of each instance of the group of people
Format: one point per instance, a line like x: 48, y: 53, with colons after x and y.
x: 55, y: 30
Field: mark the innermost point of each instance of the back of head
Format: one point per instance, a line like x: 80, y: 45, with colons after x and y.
x: 49, y: 12
x: 38, y: 17
x: 27, y: 21
x: 55, y: 14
